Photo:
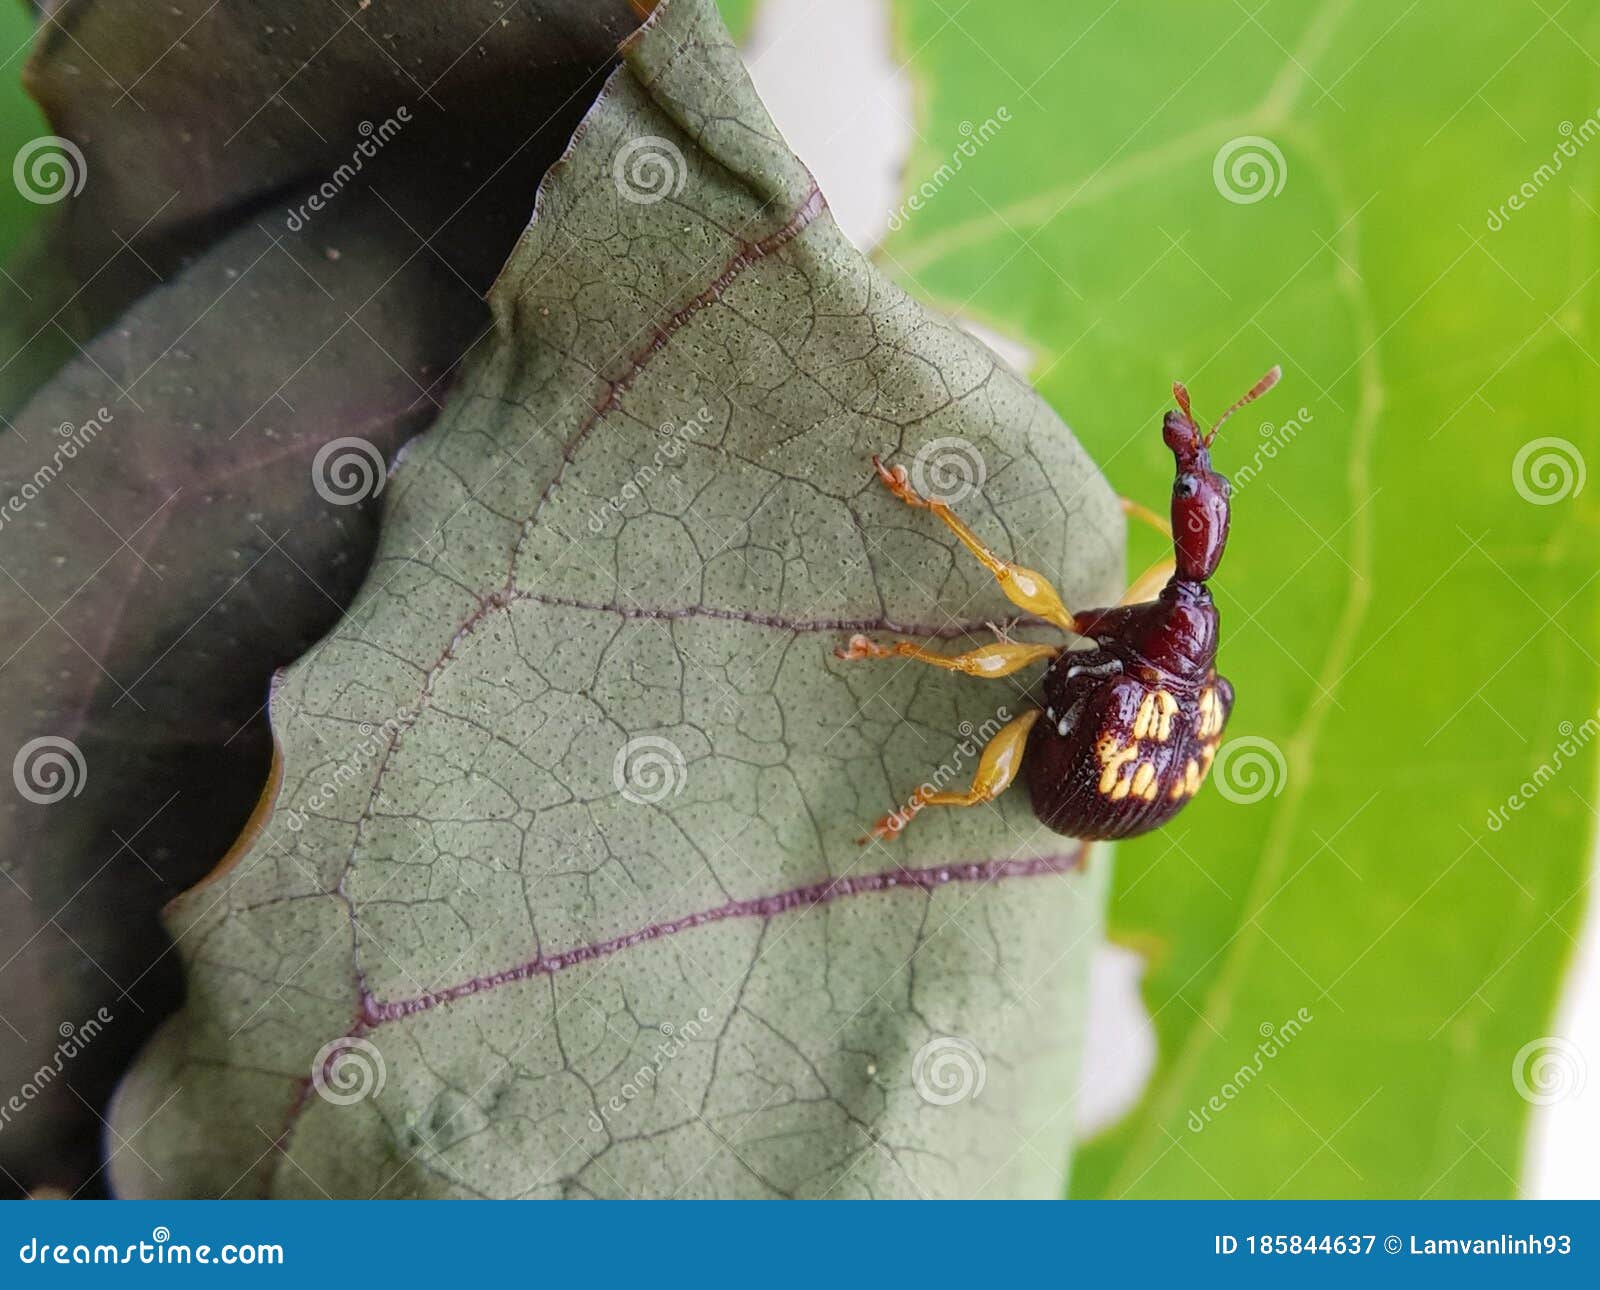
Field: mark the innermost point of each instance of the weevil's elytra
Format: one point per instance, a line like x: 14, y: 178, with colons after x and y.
x: 1129, y: 727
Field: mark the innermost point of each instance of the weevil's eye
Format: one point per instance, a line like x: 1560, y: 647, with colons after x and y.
x: 1185, y: 486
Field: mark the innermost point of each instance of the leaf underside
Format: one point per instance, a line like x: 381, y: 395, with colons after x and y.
x: 449, y: 879
x: 156, y: 575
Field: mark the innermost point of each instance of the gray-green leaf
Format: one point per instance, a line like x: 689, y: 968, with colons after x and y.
x: 559, y: 893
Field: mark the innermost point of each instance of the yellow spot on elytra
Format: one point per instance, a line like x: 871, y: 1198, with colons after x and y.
x: 1211, y: 714
x: 1113, y: 759
x: 1187, y: 784
x: 1154, y: 718
x: 1144, y: 781
x: 1168, y: 706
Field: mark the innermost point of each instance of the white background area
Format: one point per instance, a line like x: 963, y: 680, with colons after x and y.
x: 828, y: 73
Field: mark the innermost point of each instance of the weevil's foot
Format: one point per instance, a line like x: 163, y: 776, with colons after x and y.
x: 885, y: 830
x: 895, y: 479
x: 860, y: 648
x: 891, y: 825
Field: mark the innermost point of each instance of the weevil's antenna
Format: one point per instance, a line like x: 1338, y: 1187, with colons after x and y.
x: 1181, y: 393
x: 1250, y: 396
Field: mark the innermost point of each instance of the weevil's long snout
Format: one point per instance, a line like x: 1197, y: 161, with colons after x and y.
x: 1200, y: 510
x: 1178, y: 428
x: 1182, y: 436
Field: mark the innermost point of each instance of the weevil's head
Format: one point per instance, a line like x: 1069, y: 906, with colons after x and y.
x: 1199, y: 493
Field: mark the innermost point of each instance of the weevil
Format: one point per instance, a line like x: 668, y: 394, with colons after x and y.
x: 1130, y: 726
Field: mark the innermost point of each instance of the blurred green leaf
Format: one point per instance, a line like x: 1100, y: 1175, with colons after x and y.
x: 738, y: 14
x: 1409, y: 633
x: 20, y: 122
x: 24, y: 285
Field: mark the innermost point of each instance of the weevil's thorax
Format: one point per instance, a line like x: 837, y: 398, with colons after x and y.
x: 1168, y: 643
x: 1175, y: 636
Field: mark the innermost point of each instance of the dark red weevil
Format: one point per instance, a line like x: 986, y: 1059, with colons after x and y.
x: 1130, y: 726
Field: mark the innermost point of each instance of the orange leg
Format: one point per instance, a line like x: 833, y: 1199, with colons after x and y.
x: 1149, y: 583
x: 1022, y: 586
x: 1137, y: 511
x: 1147, y: 586
x: 1000, y: 659
x: 997, y: 768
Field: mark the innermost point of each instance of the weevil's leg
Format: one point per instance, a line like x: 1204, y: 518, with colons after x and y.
x: 1138, y: 511
x: 1022, y: 586
x: 999, y: 659
x: 997, y: 768
x: 1147, y: 586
